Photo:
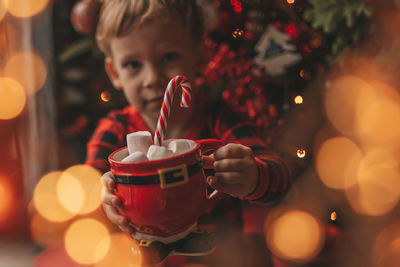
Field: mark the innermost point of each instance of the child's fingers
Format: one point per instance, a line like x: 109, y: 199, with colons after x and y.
x: 108, y: 181
x: 231, y: 189
x: 219, y: 180
x: 229, y: 165
x: 111, y: 199
x: 232, y: 151
x: 208, y: 162
x: 228, y: 178
x: 116, y: 218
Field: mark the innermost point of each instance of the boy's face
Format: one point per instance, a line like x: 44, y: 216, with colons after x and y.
x: 144, y: 61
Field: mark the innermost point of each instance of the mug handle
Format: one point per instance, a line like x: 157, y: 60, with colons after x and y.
x: 209, y: 145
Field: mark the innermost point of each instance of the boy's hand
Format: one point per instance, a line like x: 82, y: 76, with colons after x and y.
x: 236, y: 171
x: 111, y: 202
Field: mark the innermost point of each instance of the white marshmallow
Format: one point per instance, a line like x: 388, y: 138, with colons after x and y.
x: 139, y: 141
x: 137, y: 156
x: 180, y: 146
x: 158, y: 152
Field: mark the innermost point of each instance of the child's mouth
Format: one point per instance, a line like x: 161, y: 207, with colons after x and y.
x: 156, y: 100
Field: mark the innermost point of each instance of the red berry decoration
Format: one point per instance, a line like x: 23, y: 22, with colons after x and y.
x: 84, y: 16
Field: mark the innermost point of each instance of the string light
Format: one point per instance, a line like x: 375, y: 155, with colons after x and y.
x: 301, y: 153
x: 298, y: 100
x: 105, y: 96
x: 333, y: 216
x: 305, y: 74
x: 237, y: 6
x: 237, y: 33
x: 217, y: 3
x: 290, y: 1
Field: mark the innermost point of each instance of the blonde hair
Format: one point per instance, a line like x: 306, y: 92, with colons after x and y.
x: 118, y: 17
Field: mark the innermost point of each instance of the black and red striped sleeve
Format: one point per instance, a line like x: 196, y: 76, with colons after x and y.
x: 275, y: 176
x: 109, y: 135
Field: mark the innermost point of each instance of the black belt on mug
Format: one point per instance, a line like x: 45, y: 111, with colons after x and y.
x: 167, y: 177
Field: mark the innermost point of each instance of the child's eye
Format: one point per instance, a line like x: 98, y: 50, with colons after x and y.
x: 132, y: 64
x: 171, y: 56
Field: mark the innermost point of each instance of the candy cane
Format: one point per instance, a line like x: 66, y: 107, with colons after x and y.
x: 166, y: 105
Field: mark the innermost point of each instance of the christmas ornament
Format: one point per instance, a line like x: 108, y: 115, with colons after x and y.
x: 275, y: 53
x: 84, y: 16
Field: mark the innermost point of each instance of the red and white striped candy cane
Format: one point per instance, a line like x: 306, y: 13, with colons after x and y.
x: 167, y: 102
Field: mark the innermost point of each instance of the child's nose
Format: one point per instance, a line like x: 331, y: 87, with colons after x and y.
x: 153, y: 77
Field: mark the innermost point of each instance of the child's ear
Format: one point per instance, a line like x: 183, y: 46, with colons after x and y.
x: 112, y: 73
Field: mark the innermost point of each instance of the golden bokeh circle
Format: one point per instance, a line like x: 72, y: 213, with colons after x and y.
x: 79, y: 189
x: 26, y: 8
x: 122, y: 252
x: 12, y: 98
x: 46, y: 200
x: 342, y: 98
x: 29, y: 69
x: 337, y: 162
x: 87, y: 241
x: 295, y: 235
x: 3, y: 8
x: 378, y: 184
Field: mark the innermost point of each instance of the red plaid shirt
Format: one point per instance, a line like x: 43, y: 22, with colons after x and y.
x: 210, y: 122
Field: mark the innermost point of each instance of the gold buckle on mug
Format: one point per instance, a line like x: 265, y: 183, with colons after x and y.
x: 174, y: 176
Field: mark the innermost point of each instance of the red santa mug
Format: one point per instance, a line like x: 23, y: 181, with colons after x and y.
x: 164, y: 198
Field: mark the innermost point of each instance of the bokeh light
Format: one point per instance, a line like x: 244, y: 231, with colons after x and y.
x: 12, y: 100
x: 301, y: 153
x: 120, y: 252
x: 386, y: 249
x: 378, y: 184
x: 70, y: 193
x: 79, y: 189
x: 105, y: 96
x: 237, y: 33
x: 337, y: 162
x: 29, y: 69
x: 379, y: 120
x: 87, y: 241
x: 342, y: 99
x: 26, y: 8
x: 3, y: 8
x: 7, y: 198
x: 46, y: 233
x: 298, y: 100
x: 333, y: 216
x: 295, y: 235
x: 46, y: 200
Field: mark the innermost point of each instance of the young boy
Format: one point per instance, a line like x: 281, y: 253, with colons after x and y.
x: 146, y: 43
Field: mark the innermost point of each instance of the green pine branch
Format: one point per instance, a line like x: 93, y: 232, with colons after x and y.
x: 78, y: 48
x: 329, y: 15
x: 346, y: 21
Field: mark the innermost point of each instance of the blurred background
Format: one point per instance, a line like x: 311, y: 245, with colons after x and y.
x: 320, y: 78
